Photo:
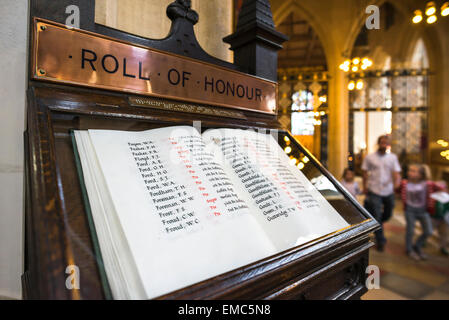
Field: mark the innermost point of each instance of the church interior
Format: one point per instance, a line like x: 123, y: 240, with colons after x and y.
x: 348, y: 72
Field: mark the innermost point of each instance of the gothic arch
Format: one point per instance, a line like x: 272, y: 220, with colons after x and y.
x: 290, y: 6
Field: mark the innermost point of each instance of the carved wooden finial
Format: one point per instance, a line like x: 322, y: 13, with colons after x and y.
x: 255, y: 42
x: 182, y: 9
x: 255, y: 12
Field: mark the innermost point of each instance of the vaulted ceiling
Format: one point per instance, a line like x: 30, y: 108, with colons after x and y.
x: 304, y: 48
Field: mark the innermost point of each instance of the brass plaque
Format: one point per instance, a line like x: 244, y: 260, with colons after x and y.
x: 83, y: 58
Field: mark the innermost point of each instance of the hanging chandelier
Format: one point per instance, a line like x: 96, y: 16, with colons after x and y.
x: 356, y: 64
x: 430, y: 12
x: 353, y: 66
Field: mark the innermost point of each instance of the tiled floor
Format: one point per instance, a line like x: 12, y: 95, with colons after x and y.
x: 404, y: 278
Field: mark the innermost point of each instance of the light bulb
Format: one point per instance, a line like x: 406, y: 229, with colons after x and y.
x: 288, y: 150
x: 418, y: 16
x: 445, y: 9
x: 356, y: 61
x: 355, y: 69
x: 430, y: 8
x: 359, y: 85
x: 351, y: 85
x: 432, y: 19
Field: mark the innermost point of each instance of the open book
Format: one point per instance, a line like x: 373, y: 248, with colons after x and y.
x: 173, y: 207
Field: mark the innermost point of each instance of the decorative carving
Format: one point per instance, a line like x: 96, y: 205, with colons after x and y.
x: 300, y: 86
x: 163, y: 104
x: 315, y: 87
x: 355, y: 274
x: 182, y: 9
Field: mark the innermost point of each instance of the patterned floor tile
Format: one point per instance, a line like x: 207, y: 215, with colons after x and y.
x: 437, y: 295
x: 444, y: 287
x: 405, y: 287
x: 382, y: 294
x: 404, y: 266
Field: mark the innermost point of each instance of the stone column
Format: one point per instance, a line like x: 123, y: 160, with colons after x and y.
x: 338, y: 120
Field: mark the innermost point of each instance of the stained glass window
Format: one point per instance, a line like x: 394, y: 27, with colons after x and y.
x: 302, y: 121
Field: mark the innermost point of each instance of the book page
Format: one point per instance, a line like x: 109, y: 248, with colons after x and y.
x: 118, y: 262
x: 183, y: 220
x: 283, y: 200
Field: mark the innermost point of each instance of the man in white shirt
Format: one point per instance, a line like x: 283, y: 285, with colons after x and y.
x: 381, y: 175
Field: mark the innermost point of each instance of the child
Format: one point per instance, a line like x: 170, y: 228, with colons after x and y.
x: 438, y: 222
x: 349, y: 183
x: 415, y: 194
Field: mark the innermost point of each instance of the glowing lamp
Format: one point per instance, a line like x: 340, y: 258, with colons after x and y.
x: 417, y: 17
x: 430, y: 8
x: 445, y: 9
x: 432, y: 19
x: 351, y: 85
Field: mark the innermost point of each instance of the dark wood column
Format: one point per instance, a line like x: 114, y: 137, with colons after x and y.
x: 255, y: 42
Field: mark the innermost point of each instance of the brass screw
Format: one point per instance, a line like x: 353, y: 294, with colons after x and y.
x: 43, y: 28
x: 42, y: 71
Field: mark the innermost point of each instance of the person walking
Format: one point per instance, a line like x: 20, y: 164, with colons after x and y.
x: 348, y: 181
x: 439, y: 223
x: 381, y: 176
x: 415, y: 193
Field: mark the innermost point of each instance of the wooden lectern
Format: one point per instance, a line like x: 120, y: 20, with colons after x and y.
x: 134, y: 83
